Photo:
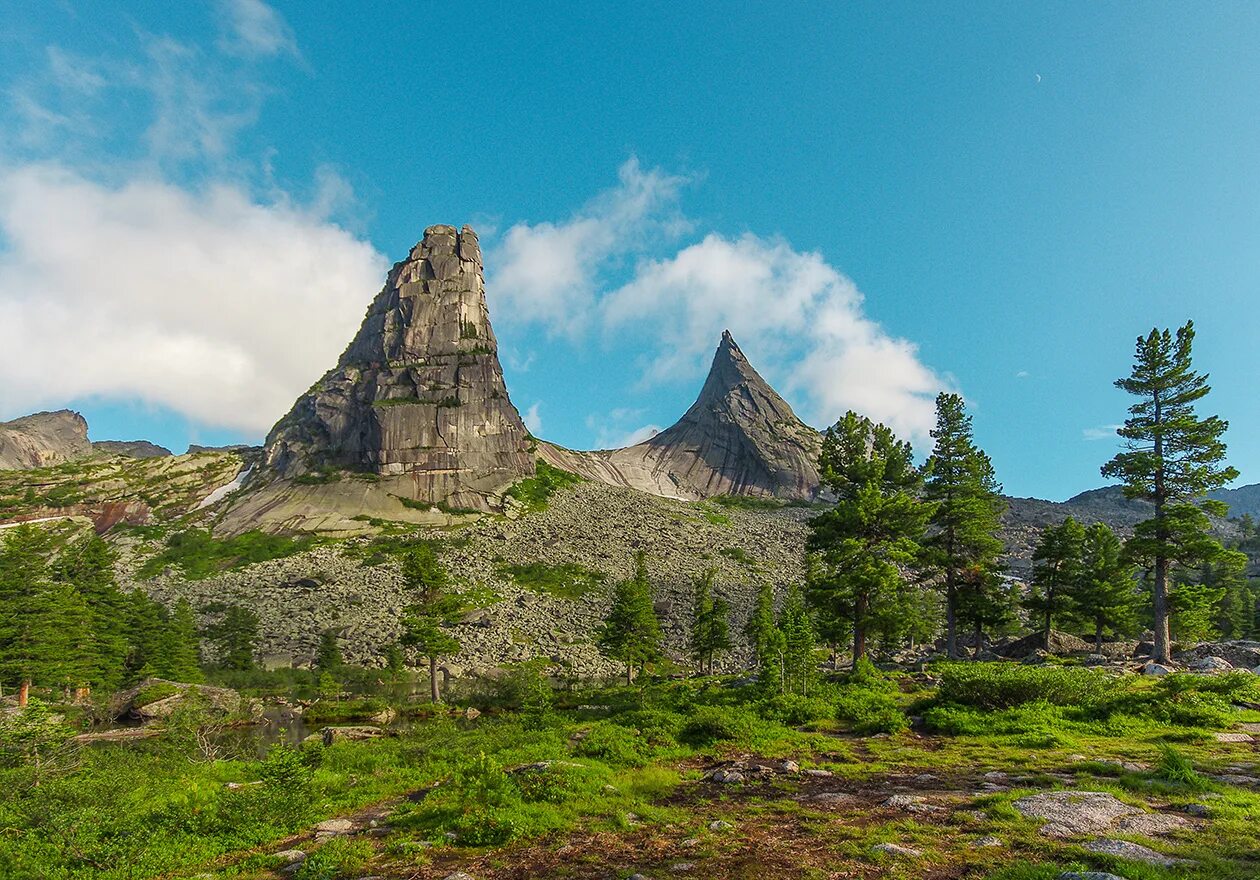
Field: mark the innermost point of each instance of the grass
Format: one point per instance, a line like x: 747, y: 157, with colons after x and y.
x: 198, y: 554
x: 606, y: 781
x: 565, y: 581
x: 534, y: 493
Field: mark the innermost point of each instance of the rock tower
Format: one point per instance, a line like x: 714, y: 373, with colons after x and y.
x: 417, y: 399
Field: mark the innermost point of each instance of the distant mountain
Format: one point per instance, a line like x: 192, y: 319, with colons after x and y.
x: 739, y: 438
x: 43, y: 439
x: 1243, y: 500
x: 131, y: 448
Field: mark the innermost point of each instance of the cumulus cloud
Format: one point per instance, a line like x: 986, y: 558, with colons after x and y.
x: 550, y: 273
x: 796, y: 316
x: 209, y: 303
x: 254, y: 28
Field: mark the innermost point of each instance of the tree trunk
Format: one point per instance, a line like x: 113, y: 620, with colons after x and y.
x: 24, y: 693
x: 434, y: 693
x: 1160, y: 590
x: 629, y: 673
x: 979, y: 642
x: 951, y: 617
x: 1098, y: 628
x: 1049, y: 603
x: 859, y: 644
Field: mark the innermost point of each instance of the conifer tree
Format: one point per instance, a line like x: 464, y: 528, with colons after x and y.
x: 328, y: 655
x: 860, y: 547
x: 986, y: 602
x: 798, y: 644
x: 763, y: 633
x: 236, y: 637
x: 962, y: 543
x: 427, y: 579
x: 179, y: 646
x: 87, y: 564
x: 1103, y: 592
x: 423, y: 633
x: 631, y: 632
x: 710, y: 629
x: 1057, y: 560
x: 1173, y: 459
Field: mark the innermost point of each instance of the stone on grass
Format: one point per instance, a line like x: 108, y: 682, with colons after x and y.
x: 1154, y: 668
x: 290, y: 856
x: 334, y: 826
x: 1152, y: 824
x: 1088, y: 875
x: 1201, y: 811
x: 985, y: 842
x: 727, y: 777
x: 1134, y: 852
x: 458, y: 875
x: 894, y: 849
x: 350, y: 733
x: 1234, y: 738
x: 1068, y: 813
x: 720, y: 825
x: 831, y: 797
x: 910, y: 804
x: 818, y: 774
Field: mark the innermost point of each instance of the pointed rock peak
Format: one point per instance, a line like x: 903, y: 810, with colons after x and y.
x: 418, y: 396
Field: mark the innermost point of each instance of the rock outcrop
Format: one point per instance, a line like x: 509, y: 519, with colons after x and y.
x: 739, y: 438
x: 130, y: 448
x: 417, y: 403
x: 43, y: 439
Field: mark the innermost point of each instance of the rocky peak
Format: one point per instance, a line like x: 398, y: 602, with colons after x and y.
x: 739, y: 438
x: 418, y: 394
x: 43, y: 439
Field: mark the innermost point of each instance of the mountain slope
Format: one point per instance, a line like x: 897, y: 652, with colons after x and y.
x: 739, y: 438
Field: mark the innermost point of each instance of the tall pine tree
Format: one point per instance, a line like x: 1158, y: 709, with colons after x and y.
x: 962, y: 544
x: 710, y: 628
x: 1173, y: 459
x: 763, y: 633
x: 631, y: 632
x: 1103, y: 592
x: 1056, y: 567
x: 860, y: 547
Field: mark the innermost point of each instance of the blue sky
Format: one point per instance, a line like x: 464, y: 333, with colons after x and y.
x: 197, y: 203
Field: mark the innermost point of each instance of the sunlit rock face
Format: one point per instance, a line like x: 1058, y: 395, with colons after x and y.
x: 739, y: 438
x: 418, y: 397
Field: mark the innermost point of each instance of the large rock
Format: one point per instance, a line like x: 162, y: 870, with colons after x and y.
x: 1059, y: 643
x: 43, y: 439
x: 1069, y: 813
x: 1239, y: 653
x: 416, y: 404
x: 157, y: 698
x: 739, y: 438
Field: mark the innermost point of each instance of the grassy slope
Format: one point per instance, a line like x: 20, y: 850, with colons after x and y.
x: 625, y: 795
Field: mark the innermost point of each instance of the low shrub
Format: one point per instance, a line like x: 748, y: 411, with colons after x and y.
x: 870, y: 711
x: 658, y: 726
x: 795, y: 710
x: 714, y: 724
x: 613, y: 744
x: 534, y: 493
x: 1004, y: 685
x: 566, y: 581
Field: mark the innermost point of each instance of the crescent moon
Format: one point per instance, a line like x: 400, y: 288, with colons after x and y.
x: 1038, y: 76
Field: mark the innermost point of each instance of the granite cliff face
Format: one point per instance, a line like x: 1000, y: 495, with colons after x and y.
x: 43, y: 439
x: 418, y: 399
x: 739, y: 438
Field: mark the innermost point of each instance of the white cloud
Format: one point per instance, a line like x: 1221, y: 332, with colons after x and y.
x: 549, y: 273
x: 1022, y: 374
x: 253, y: 28
x: 1101, y: 432
x: 533, y: 420
x: 800, y: 320
x: 210, y: 303
x: 612, y: 430
x: 796, y: 317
